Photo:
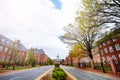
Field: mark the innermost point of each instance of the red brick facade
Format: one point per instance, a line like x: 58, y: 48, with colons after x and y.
x: 41, y: 57
x: 110, y: 50
x: 5, y: 53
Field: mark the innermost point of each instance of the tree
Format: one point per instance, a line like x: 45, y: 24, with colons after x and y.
x: 76, y: 52
x: 85, y: 29
x: 109, y: 11
x: 31, y: 57
x: 13, y: 54
x: 50, y: 61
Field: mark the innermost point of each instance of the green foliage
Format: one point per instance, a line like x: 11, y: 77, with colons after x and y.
x: 31, y: 57
x: 59, y: 74
x: 50, y: 61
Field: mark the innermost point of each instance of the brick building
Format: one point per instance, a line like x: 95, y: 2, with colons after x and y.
x: 109, y: 46
x: 6, y: 53
x: 41, y: 57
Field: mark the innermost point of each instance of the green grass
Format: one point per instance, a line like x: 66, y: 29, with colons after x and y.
x: 2, y: 71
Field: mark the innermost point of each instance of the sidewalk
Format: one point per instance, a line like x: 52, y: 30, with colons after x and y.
x: 100, y: 73
x: 8, y: 72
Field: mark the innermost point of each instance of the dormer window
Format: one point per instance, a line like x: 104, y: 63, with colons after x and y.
x: 3, y: 40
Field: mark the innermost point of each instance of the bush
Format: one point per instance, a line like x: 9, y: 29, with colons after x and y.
x: 59, y: 74
x: 57, y: 65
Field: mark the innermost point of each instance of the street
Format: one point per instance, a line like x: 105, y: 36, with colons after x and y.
x: 81, y: 75
x: 26, y: 75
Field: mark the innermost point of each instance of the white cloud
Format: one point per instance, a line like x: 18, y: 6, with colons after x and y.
x: 37, y: 23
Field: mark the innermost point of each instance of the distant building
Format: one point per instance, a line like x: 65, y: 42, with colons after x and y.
x: 41, y: 57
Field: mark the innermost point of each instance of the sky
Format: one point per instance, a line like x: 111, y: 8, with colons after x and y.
x: 38, y: 23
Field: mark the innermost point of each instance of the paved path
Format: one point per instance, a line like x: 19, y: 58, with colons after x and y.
x: 26, y: 75
x: 82, y: 75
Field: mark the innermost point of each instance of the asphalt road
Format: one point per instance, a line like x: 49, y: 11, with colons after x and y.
x: 26, y: 75
x: 82, y: 75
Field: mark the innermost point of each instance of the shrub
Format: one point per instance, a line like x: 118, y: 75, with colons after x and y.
x: 59, y: 74
x: 57, y: 65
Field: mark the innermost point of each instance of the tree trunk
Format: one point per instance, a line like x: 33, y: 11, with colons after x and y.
x: 91, y: 59
x: 92, y: 64
x: 71, y: 61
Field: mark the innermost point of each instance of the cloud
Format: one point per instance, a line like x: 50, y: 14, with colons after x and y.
x: 37, y: 23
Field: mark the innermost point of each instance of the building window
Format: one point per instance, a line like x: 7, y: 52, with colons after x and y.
x: 115, y: 59
x: 1, y: 47
x: 101, y: 51
x: 6, y: 49
x: 105, y: 50
x: 108, y: 59
x: 114, y: 39
x: 108, y: 42
x: 103, y: 59
x: 117, y: 46
x: 104, y: 44
x: 111, y: 49
x: 3, y: 40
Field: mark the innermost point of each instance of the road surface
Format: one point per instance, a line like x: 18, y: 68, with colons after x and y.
x: 82, y: 75
x: 27, y: 74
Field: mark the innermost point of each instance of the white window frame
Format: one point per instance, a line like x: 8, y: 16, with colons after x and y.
x: 117, y: 46
x: 105, y: 50
x: 111, y: 48
x: 115, y: 59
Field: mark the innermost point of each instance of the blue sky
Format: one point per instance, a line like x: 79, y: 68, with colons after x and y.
x: 57, y: 4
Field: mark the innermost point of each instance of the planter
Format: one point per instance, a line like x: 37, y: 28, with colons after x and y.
x: 49, y: 76
x: 57, y: 64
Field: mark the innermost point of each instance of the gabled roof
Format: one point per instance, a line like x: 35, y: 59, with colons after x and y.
x: 5, y: 41
x: 39, y: 51
x: 22, y: 47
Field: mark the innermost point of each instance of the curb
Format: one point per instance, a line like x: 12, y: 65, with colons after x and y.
x: 14, y: 72
x: 100, y: 74
x: 73, y: 78
x: 38, y: 78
